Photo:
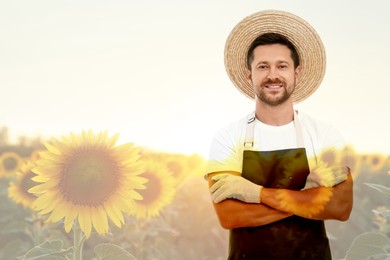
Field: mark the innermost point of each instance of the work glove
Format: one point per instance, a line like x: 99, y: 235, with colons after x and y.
x: 326, y: 176
x: 228, y: 186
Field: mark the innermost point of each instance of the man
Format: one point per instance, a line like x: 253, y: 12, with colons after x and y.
x: 267, y: 181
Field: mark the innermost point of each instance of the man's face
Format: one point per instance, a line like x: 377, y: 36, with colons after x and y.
x: 272, y: 74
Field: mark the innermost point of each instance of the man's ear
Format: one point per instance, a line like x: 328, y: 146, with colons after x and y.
x: 249, y: 76
x: 298, y: 73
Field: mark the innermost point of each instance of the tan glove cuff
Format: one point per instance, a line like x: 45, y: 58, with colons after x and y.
x: 260, y: 189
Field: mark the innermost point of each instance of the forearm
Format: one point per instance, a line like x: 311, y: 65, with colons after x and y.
x: 317, y: 203
x: 234, y: 214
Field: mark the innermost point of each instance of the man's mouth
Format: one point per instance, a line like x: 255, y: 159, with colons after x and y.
x: 273, y: 86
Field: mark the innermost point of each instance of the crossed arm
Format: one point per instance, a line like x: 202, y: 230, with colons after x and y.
x: 316, y: 203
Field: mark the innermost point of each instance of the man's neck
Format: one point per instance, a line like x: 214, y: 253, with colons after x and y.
x: 275, y: 115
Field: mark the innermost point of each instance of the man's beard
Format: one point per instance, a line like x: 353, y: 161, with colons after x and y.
x: 264, y: 97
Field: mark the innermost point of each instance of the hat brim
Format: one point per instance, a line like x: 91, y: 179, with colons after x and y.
x: 302, y: 35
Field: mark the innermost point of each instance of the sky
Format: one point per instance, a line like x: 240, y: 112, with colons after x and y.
x: 153, y: 71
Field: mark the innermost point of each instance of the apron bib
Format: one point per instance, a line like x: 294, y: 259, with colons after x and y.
x: 290, y: 238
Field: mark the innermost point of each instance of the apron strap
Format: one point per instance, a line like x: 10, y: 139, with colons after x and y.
x: 250, y: 131
x: 298, y: 131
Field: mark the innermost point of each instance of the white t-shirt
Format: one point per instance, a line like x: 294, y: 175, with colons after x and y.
x: 227, y: 146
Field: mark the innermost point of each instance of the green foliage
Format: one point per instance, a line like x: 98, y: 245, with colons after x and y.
x: 49, y: 250
x: 14, y: 248
x: 367, y: 209
x: 380, y: 188
x: 382, y: 213
x: 14, y: 236
x: 370, y: 245
x: 188, y: 228
x: 110, y: 252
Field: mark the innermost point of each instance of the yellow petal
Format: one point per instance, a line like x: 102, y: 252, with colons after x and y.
x: 50, y: 156
x: 99, y: 220
x: 46, y: 201
x: 44, y: 187
x: 51, y: 148
x: 134, y: 180
x: 70, y: 216
x: 130, y: 195
x: 114, y: 214
x: 40, y: 178
x: 45, y: 171
x: 85, y: 221
x: 112, y: 141
x: 57, y: 214
x: 38, y: 189
x: 127, y: 152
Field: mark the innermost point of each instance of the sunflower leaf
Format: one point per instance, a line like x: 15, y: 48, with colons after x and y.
x: 380, y: 188
x: 367, y: 245
x: 14, y: 248
x: 106, y: 251
x: 381, y: 257
x: 48, y: 250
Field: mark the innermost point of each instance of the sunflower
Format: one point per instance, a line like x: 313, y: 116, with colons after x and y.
x: 10, y: 163
x: 196, y: 164
x: 159, y: 191
x: 330, y: 156
x: 321, y: 196
x: 386, y: 165
x: 323, y: 174
x: 351, y: 159
x: 177, y: 164
x: 374, y: 162
x: 18, y: 190
x: 35, y: 154
x: 87, y: 177
x: 315, y: 204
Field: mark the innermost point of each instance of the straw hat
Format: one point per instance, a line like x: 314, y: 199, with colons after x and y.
x: 301, y: 34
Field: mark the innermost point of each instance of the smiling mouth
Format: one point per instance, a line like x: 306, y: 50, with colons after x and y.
x: 273, y: 86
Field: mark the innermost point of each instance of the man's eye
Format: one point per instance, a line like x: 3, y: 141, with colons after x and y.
x: 263, y: 67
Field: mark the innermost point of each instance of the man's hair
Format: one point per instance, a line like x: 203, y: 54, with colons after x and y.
x: 268, y: 39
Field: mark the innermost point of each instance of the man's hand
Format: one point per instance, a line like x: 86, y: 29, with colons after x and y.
x: 326, y: 176
x: 230, y: 186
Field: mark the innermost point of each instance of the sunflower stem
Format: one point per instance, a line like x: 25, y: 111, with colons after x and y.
x: 78, y: 241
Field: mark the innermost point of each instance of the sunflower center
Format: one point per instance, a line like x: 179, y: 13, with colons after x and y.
x: 329, y: 158
x: 89, y: 178
x: 176, y: 168
x: 10, y: 163
x: 375, y: 161
x: 153, y: 189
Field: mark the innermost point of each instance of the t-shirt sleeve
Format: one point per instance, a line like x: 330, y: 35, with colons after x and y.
x: 331, y: 147
x: 225, y: 153
x: 333, y: 139
x: 324, y: 143
x: 322, y: 137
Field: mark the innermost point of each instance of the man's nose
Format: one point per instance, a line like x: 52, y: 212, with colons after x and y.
x: 272, y: 74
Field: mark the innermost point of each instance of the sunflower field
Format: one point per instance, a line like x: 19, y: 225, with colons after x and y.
x: 83, y: 196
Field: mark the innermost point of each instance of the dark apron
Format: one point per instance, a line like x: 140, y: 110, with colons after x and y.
x: 290, y: 238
